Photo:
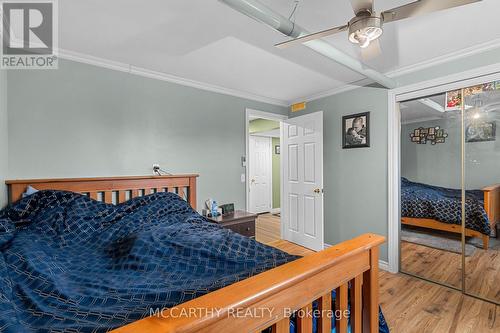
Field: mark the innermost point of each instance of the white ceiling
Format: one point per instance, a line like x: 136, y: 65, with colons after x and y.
x: 206, y: 41
x: 415, y: 111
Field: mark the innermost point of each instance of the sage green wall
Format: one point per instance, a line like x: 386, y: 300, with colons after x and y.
x: 440, y: 164
x: 3, y: 138
x: 276, y: 175
x: 81, y: 121
x: 355, y: 180
x: 262, y: 125
x: 432, y: 164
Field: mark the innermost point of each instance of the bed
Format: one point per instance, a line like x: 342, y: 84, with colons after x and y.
x: 439, y: 208
x: 73, y: 261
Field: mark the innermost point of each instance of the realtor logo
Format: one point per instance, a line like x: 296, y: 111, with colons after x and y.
x: 29, y: 34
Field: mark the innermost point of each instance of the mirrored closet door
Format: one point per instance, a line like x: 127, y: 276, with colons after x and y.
x: 431, y: 214
x: 482, y: 184
x: 450, y: 189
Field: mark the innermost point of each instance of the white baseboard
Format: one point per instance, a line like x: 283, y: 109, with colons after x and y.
x: 275, y: 210
x: 382, y: 264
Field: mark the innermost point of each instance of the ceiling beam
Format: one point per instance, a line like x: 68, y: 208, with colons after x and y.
x: 262, y: 13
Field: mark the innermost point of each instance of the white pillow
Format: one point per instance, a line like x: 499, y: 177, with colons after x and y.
x: 29, y: 191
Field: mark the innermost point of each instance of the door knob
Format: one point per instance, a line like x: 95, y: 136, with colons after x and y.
x: 317, y: 190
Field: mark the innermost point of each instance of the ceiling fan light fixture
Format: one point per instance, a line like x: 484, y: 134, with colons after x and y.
x: 362, y: 40
x: 365, y: 29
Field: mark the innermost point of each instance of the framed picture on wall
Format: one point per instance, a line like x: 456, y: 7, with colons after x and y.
x: 356, y: 130
x: 481, y: 131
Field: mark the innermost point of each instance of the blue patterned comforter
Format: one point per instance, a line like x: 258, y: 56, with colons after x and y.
x: 69, y: 263
x: 444, y: 205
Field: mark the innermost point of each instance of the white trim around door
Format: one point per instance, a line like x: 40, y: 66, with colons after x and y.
x: 451, y: 82
x: 251, y: 113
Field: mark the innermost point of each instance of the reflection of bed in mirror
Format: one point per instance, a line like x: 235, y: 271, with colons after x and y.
x: 440, y: 208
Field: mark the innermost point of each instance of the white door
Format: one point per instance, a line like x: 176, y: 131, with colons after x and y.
x: 302, y: 156
x: 260, y: 175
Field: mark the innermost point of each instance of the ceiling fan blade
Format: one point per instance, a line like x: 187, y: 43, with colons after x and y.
x: 310, y: 37
x: 421, y: 7
x: 358, y: 5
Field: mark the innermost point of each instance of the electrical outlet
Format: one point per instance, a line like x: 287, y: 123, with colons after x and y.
x: 156, y: 167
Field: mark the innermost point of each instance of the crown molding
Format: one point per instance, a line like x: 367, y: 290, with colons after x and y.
x: 144, y: 72
x: 452, y: 56
x: 94, y: 61
x: 470, y: 51
x: 326, y: 93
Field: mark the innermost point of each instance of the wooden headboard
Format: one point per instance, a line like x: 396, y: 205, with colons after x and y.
x: 112, y: 189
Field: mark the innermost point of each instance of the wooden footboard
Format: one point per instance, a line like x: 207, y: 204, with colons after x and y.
x: 436, y: 225
x: 268, y: 299
x: 492, y: 203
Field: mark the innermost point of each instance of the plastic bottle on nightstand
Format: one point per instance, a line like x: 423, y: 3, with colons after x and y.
x: 214, y: 209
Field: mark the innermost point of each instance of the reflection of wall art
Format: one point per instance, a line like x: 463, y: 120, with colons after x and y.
x: 490, y: 86
x: 432, y: 134
x: 453, y: 100
x: 481, y: 131
x: 474, y: 90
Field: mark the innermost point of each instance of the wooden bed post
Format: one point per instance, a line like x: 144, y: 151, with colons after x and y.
x: 370, y: 294
x: 492, y: 204
x: 192, y: 191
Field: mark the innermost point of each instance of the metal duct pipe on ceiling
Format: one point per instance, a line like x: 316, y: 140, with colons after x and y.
x: 262, y: 13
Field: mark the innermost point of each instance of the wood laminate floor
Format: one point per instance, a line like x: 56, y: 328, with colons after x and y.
x: 410, y: 305
x: 267, y: 228
x: 482, y: 268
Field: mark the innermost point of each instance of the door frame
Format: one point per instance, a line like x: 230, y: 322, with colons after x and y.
x: 269, y: 116
x: 438, y: 85
x: 270, y: 166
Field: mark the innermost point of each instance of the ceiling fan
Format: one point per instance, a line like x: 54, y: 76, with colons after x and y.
x: 366, y: 26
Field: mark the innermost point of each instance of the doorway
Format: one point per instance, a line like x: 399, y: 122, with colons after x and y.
x: 289, y: 200
x: 263, y: 173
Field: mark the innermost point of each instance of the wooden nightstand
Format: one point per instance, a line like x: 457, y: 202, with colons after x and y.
x: 240, y: 221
